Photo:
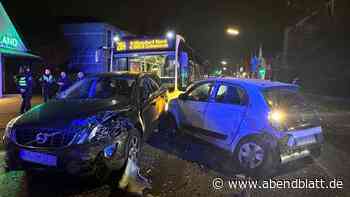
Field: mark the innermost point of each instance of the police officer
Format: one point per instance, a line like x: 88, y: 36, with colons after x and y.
x: 24, y: 82
x: 64, y: 82
x: 47, y: 82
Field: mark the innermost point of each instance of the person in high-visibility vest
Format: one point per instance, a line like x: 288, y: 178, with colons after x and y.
x: 24, y: 82
x: 47, y: 81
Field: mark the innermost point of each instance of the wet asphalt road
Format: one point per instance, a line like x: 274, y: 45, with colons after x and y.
x: 185, y: 166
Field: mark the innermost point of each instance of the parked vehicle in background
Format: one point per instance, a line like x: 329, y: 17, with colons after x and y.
x: 92, y: 128
x: 262, y: 123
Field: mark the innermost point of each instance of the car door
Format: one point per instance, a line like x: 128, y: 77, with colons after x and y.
x: 194, y: 104
x: 226, y: 111
x: 147, y: 102
x: 158, y: 97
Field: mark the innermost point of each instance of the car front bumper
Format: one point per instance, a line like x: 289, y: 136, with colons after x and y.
x: 77, y: 160
x: 299, y: 144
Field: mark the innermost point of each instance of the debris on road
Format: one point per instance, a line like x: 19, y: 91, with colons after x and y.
x: 132, y: 181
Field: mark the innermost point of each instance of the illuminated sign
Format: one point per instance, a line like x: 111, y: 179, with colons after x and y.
x: 8, y: 42
x: 121, y: 46
x: 9, y: 38
x: 148, y: 44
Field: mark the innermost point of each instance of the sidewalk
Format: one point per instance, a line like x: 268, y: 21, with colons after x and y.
x: 10, y: 106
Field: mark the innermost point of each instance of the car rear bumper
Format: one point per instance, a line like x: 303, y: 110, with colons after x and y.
x: 77, y: 160
x: 299, y: 144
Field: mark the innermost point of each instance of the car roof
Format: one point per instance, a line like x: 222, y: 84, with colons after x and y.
x: 252, y: 82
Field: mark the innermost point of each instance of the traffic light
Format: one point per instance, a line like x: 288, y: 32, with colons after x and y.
x: 262, y: 72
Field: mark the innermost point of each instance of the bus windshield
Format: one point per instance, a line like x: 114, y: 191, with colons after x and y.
x: 161, y: 62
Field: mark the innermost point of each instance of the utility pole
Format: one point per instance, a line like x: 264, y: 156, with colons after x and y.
x: 112, y: 48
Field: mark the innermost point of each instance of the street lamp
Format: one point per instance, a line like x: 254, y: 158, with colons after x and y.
x: 170, y: 34
x: 223, y: 62
x: 116, y: 38
x: 232, y: 31
x: 224, y: 68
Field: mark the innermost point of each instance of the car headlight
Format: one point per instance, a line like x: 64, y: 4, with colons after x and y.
x: 277, y: 119
x: 8, y: 130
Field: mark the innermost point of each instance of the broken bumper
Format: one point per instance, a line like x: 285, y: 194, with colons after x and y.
x: 299, y: 144
x: 77, y: 160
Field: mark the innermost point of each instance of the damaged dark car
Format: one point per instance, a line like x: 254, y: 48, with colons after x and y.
x: 91, y: 129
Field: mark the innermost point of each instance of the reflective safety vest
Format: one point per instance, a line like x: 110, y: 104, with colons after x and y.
x: 22, y: 82
x: 48, y: 79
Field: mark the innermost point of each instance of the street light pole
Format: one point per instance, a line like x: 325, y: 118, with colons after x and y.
x: 111, y: 61
x: 114, y: 39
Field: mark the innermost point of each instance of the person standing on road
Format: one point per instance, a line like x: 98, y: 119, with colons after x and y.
x: 47, y: 82
x: 80, y: 76
x: 24, y: 83
x: 64, y: 82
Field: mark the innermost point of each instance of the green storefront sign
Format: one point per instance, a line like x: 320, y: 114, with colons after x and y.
x: 8, y: 42
x: 9, y: 38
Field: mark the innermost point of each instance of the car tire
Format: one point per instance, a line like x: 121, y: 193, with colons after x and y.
x: 9, y: 164
x: 130, y: 154
x: 134, y: 141
x: 255, y: 157
x: 103, y: 173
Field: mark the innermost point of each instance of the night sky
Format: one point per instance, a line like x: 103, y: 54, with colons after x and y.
x: 201, y: 22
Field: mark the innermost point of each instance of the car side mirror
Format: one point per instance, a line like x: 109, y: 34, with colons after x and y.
x: 182, y: 97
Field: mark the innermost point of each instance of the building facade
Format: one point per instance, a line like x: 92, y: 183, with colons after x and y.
x: 91, y: 45
x: 11, y: 47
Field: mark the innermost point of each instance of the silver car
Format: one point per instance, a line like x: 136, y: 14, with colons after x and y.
x: 262, y: 123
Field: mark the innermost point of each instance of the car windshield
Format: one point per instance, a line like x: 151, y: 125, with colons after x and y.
x: 283, y: 97
x: 100, y: 88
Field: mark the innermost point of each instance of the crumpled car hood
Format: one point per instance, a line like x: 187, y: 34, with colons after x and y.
x: 60, y: 113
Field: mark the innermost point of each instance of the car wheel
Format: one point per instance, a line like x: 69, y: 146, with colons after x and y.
x: 134, y: 146
x: 9, y: 164
x: 255, y: 157
x: 104, y: 174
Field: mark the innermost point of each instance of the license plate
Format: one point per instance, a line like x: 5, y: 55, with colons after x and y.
x: 306, y: 140
x: 39, y: 158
